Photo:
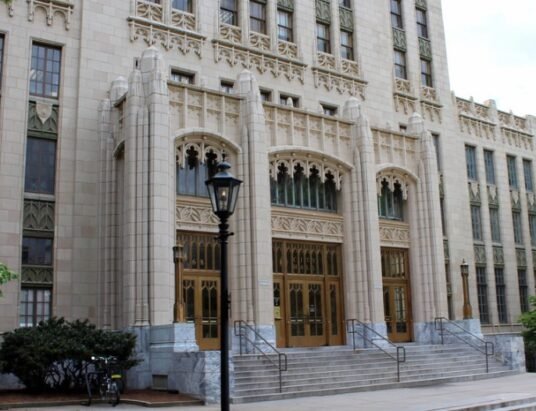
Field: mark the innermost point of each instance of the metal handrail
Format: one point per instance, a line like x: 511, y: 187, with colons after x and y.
x: 282, y: 361
x: 488, y: 353
x: 399, y: 348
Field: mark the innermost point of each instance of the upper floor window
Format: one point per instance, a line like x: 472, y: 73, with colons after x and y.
x: 227, y: 86
x: 489, y: 163
x: 182, y: 77
x: 396, y: 14
x: 192, y: 175
x: 40, y: 170
x: 400, y: 65
x: 518, y: 232
x: 1, y: 57
x: 476, y: 222
x: 437, y: 149
x: 45, y: 71
x: 527, y: 171
x: 322, y: 37
x: 347, y: 45
x: 284, y: 25
x: 426, y: 73
x: 257, y: 16
x: 266, y: 96
x: 302, y: 191
x: 286, y: 100
x: 422, y: 24
x: 229, y: 12
x: 470, y: 159
x: 329, y: 110
x: 390, y: 203
x: 512, y: 171
x: 495, y: 224
x: 345, y: 3
x: 184, y: 5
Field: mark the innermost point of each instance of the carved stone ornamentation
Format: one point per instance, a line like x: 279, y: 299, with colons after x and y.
x: 303, y: 226
x: 346, y: 18
x: 350, y: 67
x: 480, y: 254
x: 405, y: 104
x: 474, y: 192
x: 182, y: 20
x: 184, y: 41
x: 201, y: 148
x: 431, y: 112
x: 420, y: 4
x: 51, y: 8
x: 230, y: 33
x: 493, y: 195
x: 521, y: 257
x: 394, y: 234
x: 286, y: 4
x: 262, y: 61
x: 259, y: 41
x: 343, y: 84
x: 37, y: 275
x: 403, y: 86
x: 287, y: 49
x: 514, y: 197
x: 531, y: 203
x: 323, y: 10
x: 325, y: 61
x: 477, y: 128
x: 43, y: 119
x: 425, y: 48
x: 195, y: 215
x: 324, y: 167
x: 38, y: 215
x: 399, y: 39
x: 392, y: 177
x: 498, y: 256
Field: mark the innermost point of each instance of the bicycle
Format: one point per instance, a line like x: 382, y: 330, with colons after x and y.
x: 106, y: 379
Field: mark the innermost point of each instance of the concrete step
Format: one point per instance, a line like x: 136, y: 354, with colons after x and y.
x: 502, y: 404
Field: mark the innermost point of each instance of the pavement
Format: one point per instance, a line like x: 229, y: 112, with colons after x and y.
x: 430, y: 398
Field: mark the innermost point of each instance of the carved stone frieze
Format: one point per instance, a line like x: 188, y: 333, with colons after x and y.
x: 323, y: 10
x: 150, y: 11
x: 514, y: 197
x: 259, y: 41
x: 521, y: 257
x: 471, y: 109
x: 392, y: 177
x: 395, y: 147
x: 431, y: 112
x: 429, y: 94
x: 399, y: 39
x: 326, y: 61
x: 425, y: 48
x: 287, y: 49
x: 498, y: 256
x: 403, y: 86
x: 230, y: 33
x: 167, y: 38
x: 394, y: 234
x: 38, y: 215
x: 289, y: 161
x: 195, y: 215
x: 52, y: 9
x: 346, y: 19
x: 43, y: 118
x: 517, y: 139
x: 493, y: 195
x: 404, y: 104
x: 350, y: 67
x: 262, y: 61
x: 182, y: 20
x: 509, y: 120
x: 307, y: 225
x: 341, y: 83
x: 477, y: 127
x: 474, y: 192
x: 37, y: 275
x: 480, y: 254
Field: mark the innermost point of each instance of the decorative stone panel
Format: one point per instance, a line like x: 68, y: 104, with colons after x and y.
x: 498, y: 256
x: 307, y: 225
x: 38, y: 215
x: 521, y: 257
x: 51, y: 8
x: 230, y: 33
x: 425, y: 48
x: 480, y: 254
x: 259, y: 41
x: 399, y: 39
x: 405, y: 104
x: 514, y: 197
x: 167, y: 37
x: 350, y: 68
x: 394, y: 234
x: 150, y: 11
x: 403, y: 86
x: 517, y: 139
x: 493, y: 195
x: 392, y: 177
x: 471, y: 109
x: 477, y: 128
x: 346, y: 19
x: 43, y: 119
x: 341, y: 83
x: 531, y: 203
x: 287, y: 49
x: 183, y: 20
x: 474, y: 192
x: 323, y: 10
x: 195, y: 214
x: 42, y: 275
x: 393, y: 147
x: 325, y: 61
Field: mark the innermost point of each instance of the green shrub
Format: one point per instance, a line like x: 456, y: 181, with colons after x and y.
x: 55, y: 354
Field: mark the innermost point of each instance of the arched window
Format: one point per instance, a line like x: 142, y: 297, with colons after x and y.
x: 304, y: 191
x: 191, y: 176
x: 390, y: 203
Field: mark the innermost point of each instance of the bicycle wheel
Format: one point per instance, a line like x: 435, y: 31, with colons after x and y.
x: 113, y: 393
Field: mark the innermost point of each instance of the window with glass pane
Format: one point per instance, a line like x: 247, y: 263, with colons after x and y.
x: 266, y: 96
x: 400, y: 65
x: 36, y: 251
x: 257, y: 16
x: 470, y: 160
x: 182, y: 77
x: 345, y: 3
x: 495, y: 224
x: 490, y: 166
x: 227, y: 87
x: 229, y: 12
x: 476, y: 222
x: 500, y: 290
x: 1, y: 57
x: 516, y: 221
x: 35, y: 306
x: 40, y: 166
x: 523, y: 290
x: 45, y: 71
x: 482, y: 290
x: 426, y: 73
x: 284, y: 99
x: 322, y: 37
x: 437, y: 148
x: 184, y: 5
x: 329, y: 110
x: 527, y: 171
x: 532, y: 227
x: 284, y: 25
x: 422, y: 24
x: 390, y: 204
x: 191, y: 176
x: 512, y: 171
x: 396, y: 14
x: 347, y: 45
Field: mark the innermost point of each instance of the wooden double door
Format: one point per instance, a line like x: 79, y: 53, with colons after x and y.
x: 308, y: 307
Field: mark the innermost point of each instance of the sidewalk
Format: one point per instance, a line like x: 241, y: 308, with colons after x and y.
x: 432, y: 398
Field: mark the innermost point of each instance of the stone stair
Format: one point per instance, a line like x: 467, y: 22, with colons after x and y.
x: 337, y: 370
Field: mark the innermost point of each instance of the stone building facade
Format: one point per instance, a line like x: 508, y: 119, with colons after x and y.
x: 366, y: 181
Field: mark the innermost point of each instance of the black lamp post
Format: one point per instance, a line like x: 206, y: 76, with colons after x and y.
x: 223, y: 192
x: 467, y: 309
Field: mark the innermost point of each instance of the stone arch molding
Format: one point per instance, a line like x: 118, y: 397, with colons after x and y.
x: 308, y: 161
x: 203, y: 143
x: 394, y: 176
